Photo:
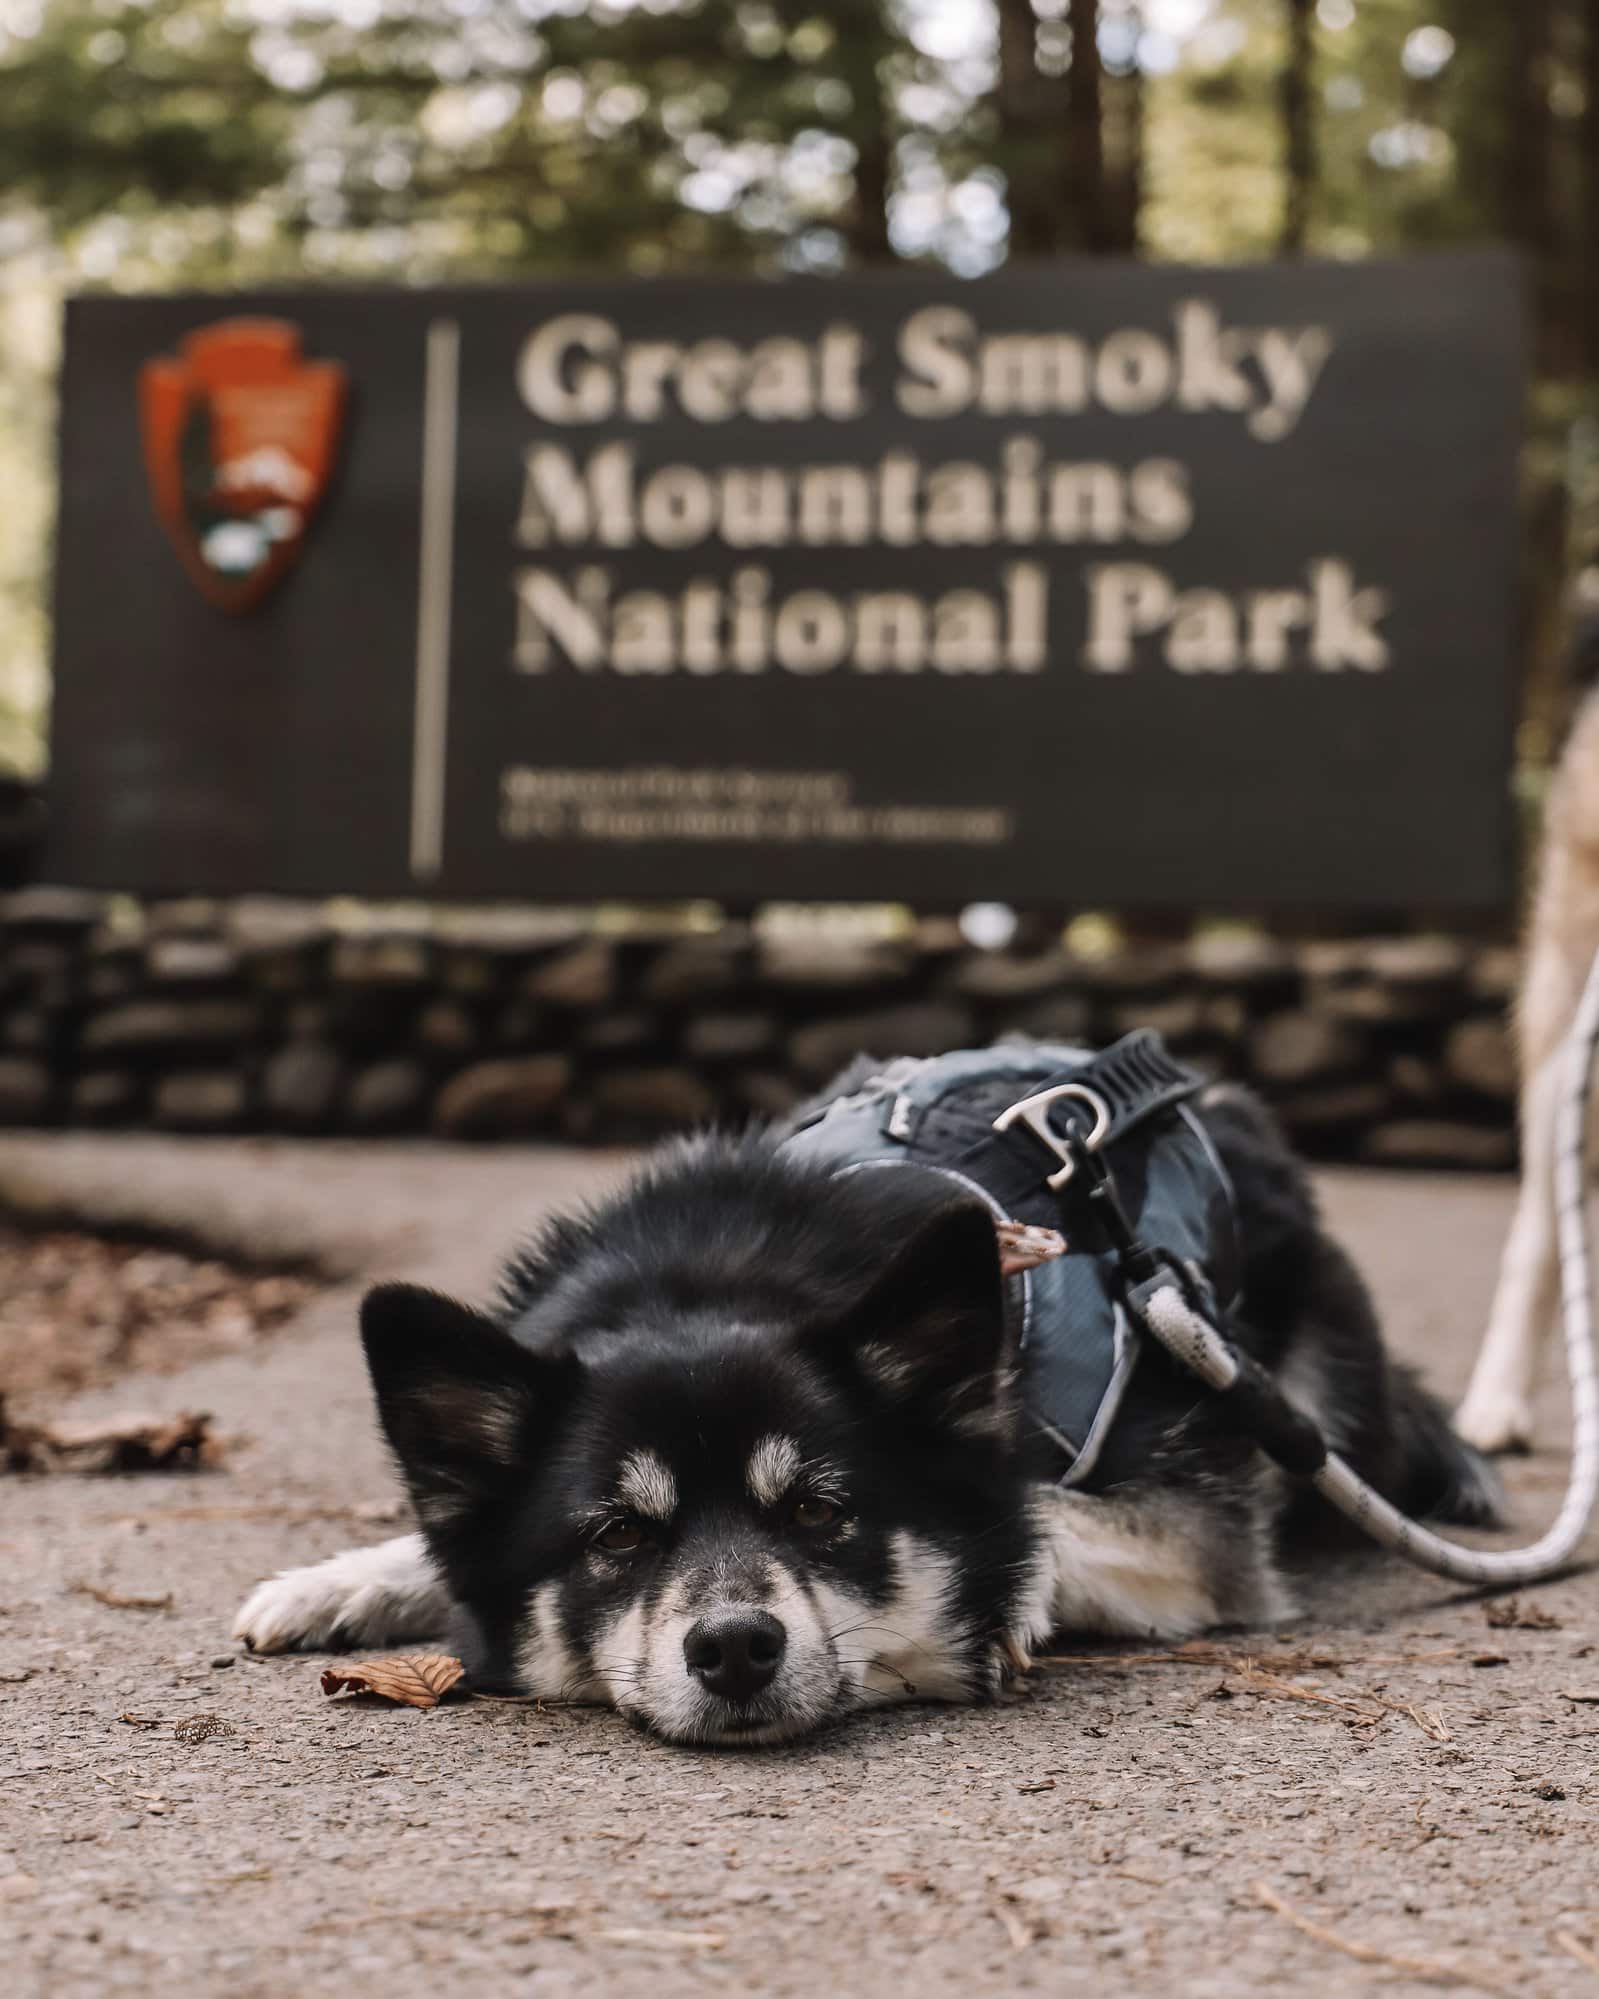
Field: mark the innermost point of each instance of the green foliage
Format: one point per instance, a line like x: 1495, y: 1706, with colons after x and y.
x: 713, y: 133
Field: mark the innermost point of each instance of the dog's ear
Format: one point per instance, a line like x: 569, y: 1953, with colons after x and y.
x: 458, y: 1398
x: 930, y: 1332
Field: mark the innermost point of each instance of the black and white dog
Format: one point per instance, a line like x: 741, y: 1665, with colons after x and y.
x: 749, y: 1447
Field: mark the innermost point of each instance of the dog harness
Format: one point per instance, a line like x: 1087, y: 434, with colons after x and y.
x: 1037, y: 1132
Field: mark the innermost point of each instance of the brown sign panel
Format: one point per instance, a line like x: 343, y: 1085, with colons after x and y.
x: 1105, y: 585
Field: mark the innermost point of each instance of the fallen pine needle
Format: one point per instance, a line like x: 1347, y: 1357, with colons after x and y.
x: 1365, y: 1953
x: 664, y: 1939
x: 378, y: 1512
x: 1196, y: 1653
x: 1257, y: 1676
x: 1200, y: 1652
x: 1021, y: 1936
x: 115, y: 1600
x: 1574, y: 1948
x: 1427, y: 1719
x: 554, y: 1919
x: 1257, y: 1680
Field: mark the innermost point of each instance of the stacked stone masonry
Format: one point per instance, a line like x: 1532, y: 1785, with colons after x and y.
x: 265, y: 1016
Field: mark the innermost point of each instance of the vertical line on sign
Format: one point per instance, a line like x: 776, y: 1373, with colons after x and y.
x: 435, y: 575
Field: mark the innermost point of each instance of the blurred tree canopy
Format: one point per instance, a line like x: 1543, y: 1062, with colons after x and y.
x: 152, y: 143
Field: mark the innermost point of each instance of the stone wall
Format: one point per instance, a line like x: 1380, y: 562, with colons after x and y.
x: 262, y: 1016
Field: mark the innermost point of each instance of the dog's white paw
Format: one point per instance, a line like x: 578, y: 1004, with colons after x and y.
x: 299, y: 1609
x: 1494, y: 1419
x: 366, y: 1596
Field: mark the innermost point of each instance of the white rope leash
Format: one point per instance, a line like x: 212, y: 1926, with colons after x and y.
x: 1187, y: 1335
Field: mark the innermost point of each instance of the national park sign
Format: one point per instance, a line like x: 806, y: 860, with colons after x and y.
x: 1101, y: 585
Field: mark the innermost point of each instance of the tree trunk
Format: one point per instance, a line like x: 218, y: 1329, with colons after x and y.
x: 1298, y: 128
x: 1528, y: 189
x: 1124, y: 171
x: 1527, y: 125
x: 1588, y: 206
x: 1092, y: 226
x: 865, y: 223
x: 1027, y: 110
x: 871, y: 129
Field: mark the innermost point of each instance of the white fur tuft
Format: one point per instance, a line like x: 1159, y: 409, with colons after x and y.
x: 773, y: 1467
x: 645, y: 1486
x: 365, y: 1596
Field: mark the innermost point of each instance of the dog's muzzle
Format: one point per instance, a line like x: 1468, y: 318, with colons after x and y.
x: 735, y: 1654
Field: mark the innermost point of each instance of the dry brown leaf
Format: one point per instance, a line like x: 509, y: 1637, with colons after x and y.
x: 1511, y: 1614
x: 117, y: 1444
x: 409, y: 1679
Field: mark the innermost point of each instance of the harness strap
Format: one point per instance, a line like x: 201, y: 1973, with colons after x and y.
x: 951, y: 1116
x: 1137, y: 1077
x: 1134, y: 1079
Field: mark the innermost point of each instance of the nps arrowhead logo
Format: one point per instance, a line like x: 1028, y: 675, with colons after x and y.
x: 241, y: 436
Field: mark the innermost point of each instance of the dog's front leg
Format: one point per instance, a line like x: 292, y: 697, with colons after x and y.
x: 366, y: 1596
x: 1496, y: 1414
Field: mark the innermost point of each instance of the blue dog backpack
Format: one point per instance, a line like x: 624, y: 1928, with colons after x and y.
x: 990, y: 1121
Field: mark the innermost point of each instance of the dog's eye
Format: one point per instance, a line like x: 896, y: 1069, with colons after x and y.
x: 621, y: 1537
x: 816, y: 1513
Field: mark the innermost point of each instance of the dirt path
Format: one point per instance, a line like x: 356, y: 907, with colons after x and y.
x: 1182, y: 1828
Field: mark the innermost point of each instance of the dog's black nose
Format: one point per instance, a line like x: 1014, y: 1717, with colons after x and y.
x: 735, y: 1653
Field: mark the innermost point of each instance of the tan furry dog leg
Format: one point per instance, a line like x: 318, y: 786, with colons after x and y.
x: 1496, y: 1414
x: 1564, y: 936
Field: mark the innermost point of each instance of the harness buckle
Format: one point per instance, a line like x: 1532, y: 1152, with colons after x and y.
x: 1034, y: 1113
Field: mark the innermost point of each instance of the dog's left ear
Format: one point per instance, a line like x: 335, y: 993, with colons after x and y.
x: 460, y: 1401
x: 930, y: 1332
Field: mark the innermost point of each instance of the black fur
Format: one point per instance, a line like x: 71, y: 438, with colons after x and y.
x: 1303, y: 1305
x: 728, y: 1294
x: 732, y: 1294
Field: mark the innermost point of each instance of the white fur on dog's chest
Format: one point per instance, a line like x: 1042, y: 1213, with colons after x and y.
x: 1135, y: 1568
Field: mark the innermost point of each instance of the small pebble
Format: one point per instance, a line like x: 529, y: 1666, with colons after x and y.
x: 224, y: 1662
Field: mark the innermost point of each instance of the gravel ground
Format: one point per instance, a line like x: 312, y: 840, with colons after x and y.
x: 175, y: 1817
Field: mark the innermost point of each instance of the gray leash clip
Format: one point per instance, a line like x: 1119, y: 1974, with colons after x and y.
x: 1034, y: 1113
